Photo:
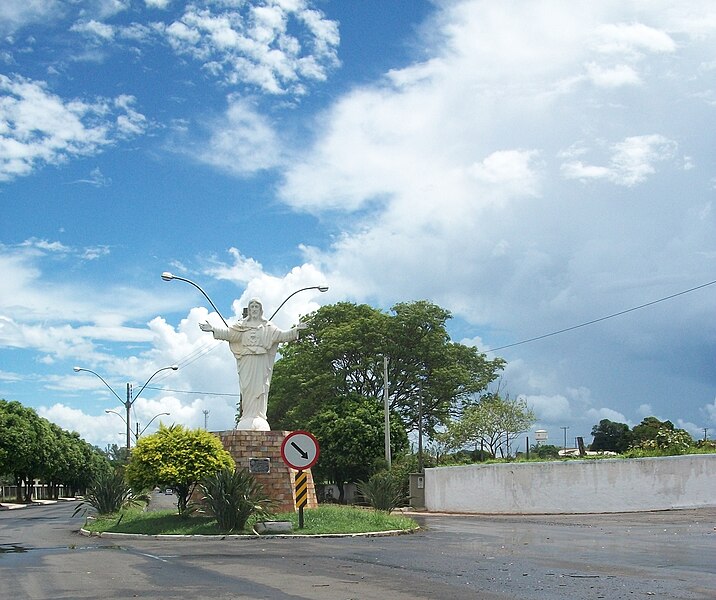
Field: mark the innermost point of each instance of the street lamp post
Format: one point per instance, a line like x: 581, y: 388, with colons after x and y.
x: 167, y: 276
x: 130, y: 399
x: 150, y: 422
x: 320, y: 288
x: 386, y: 413
x: 138, y: 433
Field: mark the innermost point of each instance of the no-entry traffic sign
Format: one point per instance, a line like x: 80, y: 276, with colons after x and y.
x: 299, y: 450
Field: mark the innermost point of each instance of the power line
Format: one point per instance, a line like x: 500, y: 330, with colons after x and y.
x: 200, y: 352
x: 159, y: 389
x: 204, y: 349
x: 193, y: 356
x: 616, y: 314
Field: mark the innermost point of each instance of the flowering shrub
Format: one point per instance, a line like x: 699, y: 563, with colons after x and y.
x: 669, y: 441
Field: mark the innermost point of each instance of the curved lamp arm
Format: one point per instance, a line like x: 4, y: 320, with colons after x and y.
x: 114, y: 412
x: 320, y: 288
x: 172, y: 367
x: 167, y: 276
x: 150, y: 422
x: 78, y: 369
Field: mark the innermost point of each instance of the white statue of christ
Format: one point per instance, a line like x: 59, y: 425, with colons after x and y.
x: 254, y: 341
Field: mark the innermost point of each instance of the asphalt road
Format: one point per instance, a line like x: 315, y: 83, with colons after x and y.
x: 669, y: 555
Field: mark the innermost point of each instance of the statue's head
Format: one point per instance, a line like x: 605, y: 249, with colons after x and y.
x: 256, y: 309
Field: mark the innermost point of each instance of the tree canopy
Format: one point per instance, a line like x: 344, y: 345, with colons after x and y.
x: 341, y: 355
x: 176, y: 457
x: 351, y: 436
x: 651, y: 435
x: 611, y: 436
x: 648, y: 429
x: 33, y: 448
x: 491, y: 423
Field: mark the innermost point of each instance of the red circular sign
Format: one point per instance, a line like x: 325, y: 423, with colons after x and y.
x: 299, y: 450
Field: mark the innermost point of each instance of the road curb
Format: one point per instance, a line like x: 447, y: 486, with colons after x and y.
x: 224, y: 537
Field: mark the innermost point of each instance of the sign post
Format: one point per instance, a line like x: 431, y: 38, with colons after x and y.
x: 299, y: 451
x: 301, y: 495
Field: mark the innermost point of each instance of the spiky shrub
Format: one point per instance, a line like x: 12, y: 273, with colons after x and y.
x: 383, y: 492
x: 109, y: 493
x: 232, y: 496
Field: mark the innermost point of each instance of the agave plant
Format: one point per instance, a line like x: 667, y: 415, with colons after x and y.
x: 109, y: 493
x: 383, y: 492
x: 232, y: 496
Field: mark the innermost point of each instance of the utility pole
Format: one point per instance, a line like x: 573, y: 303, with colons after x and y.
x: 128, y: 406
x: 386, y: 408
x: 420, y: 427
x: 565, y: 436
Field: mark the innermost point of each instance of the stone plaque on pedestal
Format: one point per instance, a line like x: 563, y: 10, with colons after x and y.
x: 259, y: 465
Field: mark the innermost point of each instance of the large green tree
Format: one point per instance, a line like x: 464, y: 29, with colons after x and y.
x: 176, y: 457
x: 341, y: 354
x: 33, y: 448
x: 611, y: 436
x: 22, y: 448
x: 648, y: 429
x: 65, y: 462
x: 491, y: 423
x: 351, y: 435
x: 85, y: 463
x: 118, y: 456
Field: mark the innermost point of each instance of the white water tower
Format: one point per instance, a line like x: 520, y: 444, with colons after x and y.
x: 541, y: 436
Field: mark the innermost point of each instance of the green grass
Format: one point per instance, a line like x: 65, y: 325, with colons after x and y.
x: 326, y: 519
x: 332, y: 518
x: 152, y: 523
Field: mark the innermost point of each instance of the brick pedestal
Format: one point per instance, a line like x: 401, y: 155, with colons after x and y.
x: 279, y: 482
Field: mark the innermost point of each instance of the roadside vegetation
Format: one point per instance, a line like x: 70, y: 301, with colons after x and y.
x: 334, y: 381
x: 326, y: 519
x: 384, y: 492
x: 214, y: 497
x: 108, y: 493
x: 651, y: 437
x: 233, y: 496
x: 178, y: 458
x: 32, y: 447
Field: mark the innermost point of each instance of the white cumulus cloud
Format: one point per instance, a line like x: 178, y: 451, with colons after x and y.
x: 38, y: 127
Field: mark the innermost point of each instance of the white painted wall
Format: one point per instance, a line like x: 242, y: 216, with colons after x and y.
x: 575, y: 486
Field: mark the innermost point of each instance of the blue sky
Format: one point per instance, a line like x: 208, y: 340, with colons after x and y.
x: 529, y: 166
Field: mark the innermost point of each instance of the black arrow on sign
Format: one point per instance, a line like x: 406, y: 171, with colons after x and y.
x: 298, y: 448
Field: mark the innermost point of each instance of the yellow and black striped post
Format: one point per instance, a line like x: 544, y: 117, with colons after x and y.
x: 301, y: 495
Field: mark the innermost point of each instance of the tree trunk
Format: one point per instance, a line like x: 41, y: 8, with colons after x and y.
x: 28, y: 490
x: 18, y: 489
